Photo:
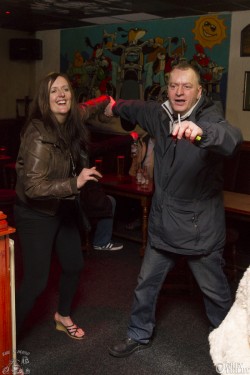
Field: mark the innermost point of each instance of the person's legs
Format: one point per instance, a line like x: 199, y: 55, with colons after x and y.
x: 156, y: 264
x: 104, y: 230
x: 104, y: 227
x: 36, y: 233
x: 68, y: 248
x: 209, y: 274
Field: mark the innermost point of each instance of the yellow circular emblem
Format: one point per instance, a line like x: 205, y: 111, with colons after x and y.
x: 209, y: 30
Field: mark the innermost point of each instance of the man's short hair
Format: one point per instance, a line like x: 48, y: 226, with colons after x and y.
x: 184, y: 65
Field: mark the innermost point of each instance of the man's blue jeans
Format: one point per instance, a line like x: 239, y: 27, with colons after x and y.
x: 104, y: 227
x: 208, y: 272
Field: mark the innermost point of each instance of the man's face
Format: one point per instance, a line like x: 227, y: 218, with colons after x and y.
x: 183, y: 90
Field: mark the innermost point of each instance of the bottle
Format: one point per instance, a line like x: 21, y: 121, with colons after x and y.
x: 134, y: 149
x: 145, y: 177
x: 134, y: 144
x: 139, y: 175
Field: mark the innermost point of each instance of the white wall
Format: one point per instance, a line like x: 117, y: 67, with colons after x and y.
x: 51, y: 53
x: 18, y: 79
x: 237, y: 67
x: 15, y: 76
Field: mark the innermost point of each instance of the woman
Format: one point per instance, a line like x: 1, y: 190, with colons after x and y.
x: 50, y: 174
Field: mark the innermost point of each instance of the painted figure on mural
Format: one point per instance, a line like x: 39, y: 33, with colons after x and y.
x: 134, y: 63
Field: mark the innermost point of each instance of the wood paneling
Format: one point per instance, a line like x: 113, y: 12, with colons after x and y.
x: 5, y: 295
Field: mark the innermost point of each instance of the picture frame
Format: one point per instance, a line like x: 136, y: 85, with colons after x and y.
x: 245, y: 42
x: 246, y: 92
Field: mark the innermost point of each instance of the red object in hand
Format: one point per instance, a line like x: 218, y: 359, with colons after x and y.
x: 134, y: 135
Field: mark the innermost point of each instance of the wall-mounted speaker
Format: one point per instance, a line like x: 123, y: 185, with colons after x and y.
x: 25, y: 49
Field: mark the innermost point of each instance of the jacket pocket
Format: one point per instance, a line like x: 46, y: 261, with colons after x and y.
x: 193, y: 224
x: 181, y: 223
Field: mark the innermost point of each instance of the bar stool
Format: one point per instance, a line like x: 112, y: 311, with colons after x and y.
x: 7, y: 201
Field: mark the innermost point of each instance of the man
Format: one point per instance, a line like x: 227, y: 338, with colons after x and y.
x: 97, y: 205
x: 187, y: 212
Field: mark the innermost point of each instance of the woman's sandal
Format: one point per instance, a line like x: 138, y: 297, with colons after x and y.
x: 69, y: 330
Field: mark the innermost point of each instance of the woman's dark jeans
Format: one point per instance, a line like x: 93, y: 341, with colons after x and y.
x: 39, y: 234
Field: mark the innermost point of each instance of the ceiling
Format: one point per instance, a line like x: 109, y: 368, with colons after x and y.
x: 35, y: 15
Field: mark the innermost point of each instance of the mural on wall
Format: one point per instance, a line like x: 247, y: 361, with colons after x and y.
x: 133, y: 61
x: 209, y: 30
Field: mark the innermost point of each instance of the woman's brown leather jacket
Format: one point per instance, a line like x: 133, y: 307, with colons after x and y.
x: 43, y: 168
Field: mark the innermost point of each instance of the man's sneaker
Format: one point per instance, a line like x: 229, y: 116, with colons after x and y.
x: 126, y: 347
x: 110, y: 246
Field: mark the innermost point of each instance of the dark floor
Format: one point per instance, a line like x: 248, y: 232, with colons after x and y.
x: 102, y: 306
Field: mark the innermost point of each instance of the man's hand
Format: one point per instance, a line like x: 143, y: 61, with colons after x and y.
x: 134, y: 135
x: 187, y: 130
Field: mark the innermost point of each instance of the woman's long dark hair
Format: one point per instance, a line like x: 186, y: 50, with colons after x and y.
x: 73, y: 134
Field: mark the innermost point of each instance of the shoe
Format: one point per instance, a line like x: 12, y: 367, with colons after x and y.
x: 110, y: 246
x: 126, y: 347
x: 69, y: 330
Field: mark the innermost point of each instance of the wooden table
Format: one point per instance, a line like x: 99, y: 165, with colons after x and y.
x: 237, y: 208
x: 125, y: 186
x: 237, y: 205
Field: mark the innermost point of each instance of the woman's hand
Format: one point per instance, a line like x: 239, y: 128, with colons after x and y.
x: 87, y: 174
x: 108, y: 110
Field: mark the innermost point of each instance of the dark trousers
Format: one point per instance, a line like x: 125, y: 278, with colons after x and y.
x: 39, y: 234
x: 208, y: 272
